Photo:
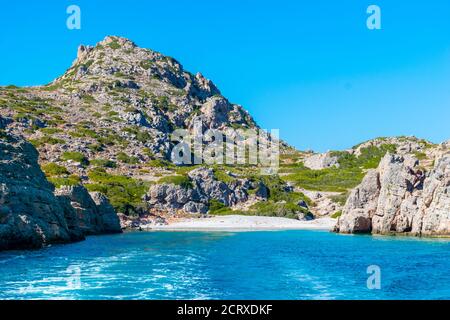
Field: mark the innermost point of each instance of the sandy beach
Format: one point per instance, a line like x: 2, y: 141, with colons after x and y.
x: 246, y: 223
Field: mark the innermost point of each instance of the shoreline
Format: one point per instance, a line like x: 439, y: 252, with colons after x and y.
x: 245, y: 223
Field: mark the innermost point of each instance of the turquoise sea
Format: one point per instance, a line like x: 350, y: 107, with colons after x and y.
x: 229, y: 265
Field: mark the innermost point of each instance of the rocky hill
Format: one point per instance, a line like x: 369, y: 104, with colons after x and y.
x: 106, y: 124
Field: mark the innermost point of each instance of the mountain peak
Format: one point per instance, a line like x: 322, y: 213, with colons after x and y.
x: 117, y: 58
x: 124, y: 42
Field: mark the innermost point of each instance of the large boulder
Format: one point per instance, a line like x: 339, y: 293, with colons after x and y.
x: 434, y: 215
x: 170, y: 198
x: 209, y: 187
x: 95, y: 214
x: 109, y: 220
x: 396, y: 198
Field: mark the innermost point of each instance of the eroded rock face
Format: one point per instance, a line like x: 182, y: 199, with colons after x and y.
x: 30, y: 215
x: 321, y: 161
x: 394, y: 199
x: 94, y: 213
x: 434, y: 216
x: 109, y: 220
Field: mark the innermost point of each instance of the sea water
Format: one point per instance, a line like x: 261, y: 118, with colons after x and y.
x: 230, y: 265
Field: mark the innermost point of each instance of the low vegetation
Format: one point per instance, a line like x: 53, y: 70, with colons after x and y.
x: 349, y: 174
x: 178, y: 180
x: 75, y: 156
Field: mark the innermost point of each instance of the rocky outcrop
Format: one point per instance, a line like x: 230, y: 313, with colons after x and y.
x: 434, y: 216
x: 109, y: 221
x: 94, y: 213
x: 31, y: 216
x: 142, y: 222
x: 398, y: 198
x: 195, y: 199
x: 321, y: 161
x: 403, y: 145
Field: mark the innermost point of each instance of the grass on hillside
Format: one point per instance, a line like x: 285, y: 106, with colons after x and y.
x: 347, y: 176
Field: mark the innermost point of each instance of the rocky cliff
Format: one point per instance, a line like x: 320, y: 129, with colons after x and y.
x: 401, y: 197
x: 31, y: 216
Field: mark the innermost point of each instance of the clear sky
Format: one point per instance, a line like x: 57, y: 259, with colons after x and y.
x: 308, y: 67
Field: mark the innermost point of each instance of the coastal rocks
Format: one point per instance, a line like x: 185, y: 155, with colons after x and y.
x: 321, y: 161
x: 95, y: 214
x: 30, y: 215
x: 324, y: 203
x: 397, y: 198
x: 109, y: 220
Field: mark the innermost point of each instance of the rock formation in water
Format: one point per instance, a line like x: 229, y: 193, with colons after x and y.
x: 31, y: 216
x: 399, y: 197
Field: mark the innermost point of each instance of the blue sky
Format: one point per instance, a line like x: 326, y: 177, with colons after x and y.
x: 310, y: 68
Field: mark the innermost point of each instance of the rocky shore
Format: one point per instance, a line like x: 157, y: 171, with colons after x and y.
x: 399, y: 197
x: 33, y: 214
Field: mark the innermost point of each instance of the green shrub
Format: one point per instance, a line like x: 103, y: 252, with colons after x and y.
x: 95, y: 147
x: 45, y: 140
x: 278, y: 209
x: 146, y: 64
x: 223, y: 176
x: 215, y: 205
x: 50, y: 130
x: 88, y: 99
x: 52, y: 169
x: 123, y: 157
x: 158, y: 163
x: 104, y: 163
x: 65, y: 181
x: 114, y: 45
x: 75, y: 156
x: 336, y: 214
x: 83, y: 133
x: 420, y: 155
x: 330, y: 179
x: 340, y: 198
x: 141, y: 136
x: 182, y: 181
